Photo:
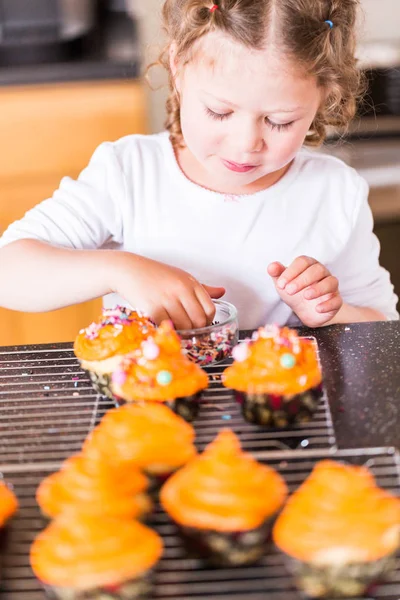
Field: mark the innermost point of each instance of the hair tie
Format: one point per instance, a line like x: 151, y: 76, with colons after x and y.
x: 214, y: 8
x: 330, y: 24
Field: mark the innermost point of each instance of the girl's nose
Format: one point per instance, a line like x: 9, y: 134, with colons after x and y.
x: 251, y: 139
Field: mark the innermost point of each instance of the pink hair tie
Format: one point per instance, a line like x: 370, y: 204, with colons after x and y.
x: 214, y: 8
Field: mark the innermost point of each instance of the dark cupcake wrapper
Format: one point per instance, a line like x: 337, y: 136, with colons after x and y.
x: 135, y: 589
x: 270, y: 410
x: 187, y: 407
x: 345, y: 581
x: 101, y: 383
x: 220, y: 548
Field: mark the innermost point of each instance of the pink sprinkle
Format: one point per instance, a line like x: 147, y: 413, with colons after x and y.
x: 119, y: 377
x: 240, y: 352
x: 150, y: 350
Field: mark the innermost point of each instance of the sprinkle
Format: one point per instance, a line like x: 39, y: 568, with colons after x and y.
x: 164, y: 377
x: 150, y: 350
x: 303, y: 380
x: 75, y: 379
x: 119, y: 377
x: 75, y: 394
x: 46, y: 387
x: 240, y: 352
x: 304, y: 443
x: 288, y: 361
x: 226, y: 417
x: 75, y: 384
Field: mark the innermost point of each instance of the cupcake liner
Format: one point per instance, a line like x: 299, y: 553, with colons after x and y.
x: 223, y: 549
x: 136, y: 589
x: 101, y: 383
x: 270, y: 410
x: 186, y: 407
x: 338, y: 581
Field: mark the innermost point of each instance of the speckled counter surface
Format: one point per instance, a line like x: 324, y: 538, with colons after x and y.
x: 361, y: 368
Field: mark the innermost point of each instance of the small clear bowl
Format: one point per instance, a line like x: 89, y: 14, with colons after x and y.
x: 212, y: 344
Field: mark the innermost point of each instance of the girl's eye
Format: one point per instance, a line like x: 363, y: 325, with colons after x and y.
x: 278, y: 126
x: 217, y: 116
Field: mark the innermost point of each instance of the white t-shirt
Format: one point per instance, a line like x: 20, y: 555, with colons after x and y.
x: 133, y: 196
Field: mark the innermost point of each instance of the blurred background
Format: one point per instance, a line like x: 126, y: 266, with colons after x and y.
x: 71, y: 77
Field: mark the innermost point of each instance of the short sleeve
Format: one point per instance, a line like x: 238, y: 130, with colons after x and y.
x: 84, y: 213
x: 362, y: 281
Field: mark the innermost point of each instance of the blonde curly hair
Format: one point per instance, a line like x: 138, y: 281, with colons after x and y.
x: 303, y: 31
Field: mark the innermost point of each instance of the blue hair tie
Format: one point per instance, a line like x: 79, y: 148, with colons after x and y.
x: 330, y: 24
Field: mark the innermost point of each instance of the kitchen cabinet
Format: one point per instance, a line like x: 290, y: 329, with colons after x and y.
x: 47, y: 132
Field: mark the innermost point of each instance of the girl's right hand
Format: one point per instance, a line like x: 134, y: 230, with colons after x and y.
x: 162, y: 291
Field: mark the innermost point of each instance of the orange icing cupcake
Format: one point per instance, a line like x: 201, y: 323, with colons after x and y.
x: 159, y: 371
x: 224, y: 489
x: 275, y: 361
x: 148, y: 435
x: 8, y: 503
x: 118, y: 331
x: 76, y: 551
x: 339, y: 515
x: 95, y: 488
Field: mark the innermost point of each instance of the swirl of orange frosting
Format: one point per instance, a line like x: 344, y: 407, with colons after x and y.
x: 8, y: 503
x: 80, y: 551
x: 117, y: 331
x: 95, y: 488
x: 147, y: 435
x: 224, y: 489
x: 339, y: 514
x: 159, y: 371
x: 275, y: 361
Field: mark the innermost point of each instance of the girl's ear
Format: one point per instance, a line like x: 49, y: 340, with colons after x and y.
x: 173, y: 63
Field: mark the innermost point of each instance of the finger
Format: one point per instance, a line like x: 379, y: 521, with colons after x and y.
x: 333, y: 304
x: 275, y: 269
x: 313, y: 274
x: 206, y: 302
x: 300, y: 264
x: 158, y: 314
x: 214, y: 292
x: 178, y: 314
x: 328, y: 285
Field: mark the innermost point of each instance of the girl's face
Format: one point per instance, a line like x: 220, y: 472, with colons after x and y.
x: 244, y: 115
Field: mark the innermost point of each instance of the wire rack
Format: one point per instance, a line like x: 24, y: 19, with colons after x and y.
x: 48, y: 406
x: 178, y: 576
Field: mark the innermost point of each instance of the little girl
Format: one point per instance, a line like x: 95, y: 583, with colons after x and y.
x: 227, y: 200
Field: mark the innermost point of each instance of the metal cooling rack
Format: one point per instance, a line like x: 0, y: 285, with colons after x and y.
x: 182, y: 578
x: 48, y: 406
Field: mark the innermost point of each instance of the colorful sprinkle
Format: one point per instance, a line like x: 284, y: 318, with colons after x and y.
x: 240, y: 352
x: 164, y: 377
x: 150, y: 350
x: 303, y: 380
x: 119, y: 377
x: 288, y: 361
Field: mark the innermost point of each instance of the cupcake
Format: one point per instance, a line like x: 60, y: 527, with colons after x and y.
x: 276, y: 377
x: 76, y: 558
x: 160, y: 372
x: 95, y: 488
x: 224, y: 502
x: 100, y: 346
x: 148, y: 436
x: 339, y: 531
x: 8, y: 506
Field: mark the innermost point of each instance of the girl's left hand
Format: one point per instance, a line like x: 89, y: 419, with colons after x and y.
x: 309, y: 289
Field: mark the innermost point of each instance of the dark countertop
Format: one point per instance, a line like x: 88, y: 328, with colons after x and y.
x: 361, y: 369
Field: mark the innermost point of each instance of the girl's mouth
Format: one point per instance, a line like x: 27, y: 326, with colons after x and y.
x: 236, y: 167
